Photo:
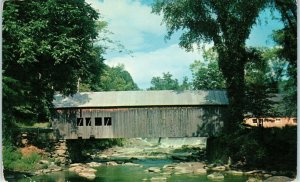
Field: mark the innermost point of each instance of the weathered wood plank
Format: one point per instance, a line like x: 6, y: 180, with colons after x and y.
x: 141, y: 122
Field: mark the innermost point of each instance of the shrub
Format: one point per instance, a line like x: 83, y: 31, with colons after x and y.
x: 13, y: 160
x: 267, y: 148
x: 10, y: 156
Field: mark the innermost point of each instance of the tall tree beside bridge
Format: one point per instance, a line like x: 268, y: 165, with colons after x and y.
x: 225, y: 23
x: 47, y: 47
x: 286, y: 38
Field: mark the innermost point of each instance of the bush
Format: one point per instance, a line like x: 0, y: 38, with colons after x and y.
x: 10, y: 156
x: 13, y: 160
x: 266, y: 148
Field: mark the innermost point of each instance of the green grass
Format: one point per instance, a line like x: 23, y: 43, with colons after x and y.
x: 34, y: 125
x: 13, y: 160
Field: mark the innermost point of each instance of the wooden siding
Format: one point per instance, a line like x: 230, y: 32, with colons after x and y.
x: 199, y: 121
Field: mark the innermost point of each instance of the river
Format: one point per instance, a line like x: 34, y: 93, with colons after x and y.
x: 122, y: 173
x: 146, y: 153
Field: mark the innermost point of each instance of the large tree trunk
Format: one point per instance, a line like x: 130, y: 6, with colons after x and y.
x: 236, y: 95
x: 232, y: 65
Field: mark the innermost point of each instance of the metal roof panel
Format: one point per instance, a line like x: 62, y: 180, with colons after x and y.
x: 141, y: 98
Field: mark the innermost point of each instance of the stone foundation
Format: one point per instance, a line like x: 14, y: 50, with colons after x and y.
x: 60, y: 153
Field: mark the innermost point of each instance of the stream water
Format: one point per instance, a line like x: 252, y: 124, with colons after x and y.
x: 123, y: 174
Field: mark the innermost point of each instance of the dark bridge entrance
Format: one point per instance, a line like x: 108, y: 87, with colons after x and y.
x: 130, y: 114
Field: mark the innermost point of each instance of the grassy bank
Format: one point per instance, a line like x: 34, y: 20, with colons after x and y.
x: 14, y: 160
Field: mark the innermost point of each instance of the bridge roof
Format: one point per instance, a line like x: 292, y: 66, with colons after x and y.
x: 141, y: 98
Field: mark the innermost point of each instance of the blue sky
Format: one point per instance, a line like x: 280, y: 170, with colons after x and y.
x: 141, y: 32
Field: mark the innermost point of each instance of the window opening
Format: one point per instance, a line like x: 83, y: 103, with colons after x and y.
x: 98, y: 121
x: 254, y: 120
x: 107, y: 121
x: 88, y: 122
x: 79, y: 121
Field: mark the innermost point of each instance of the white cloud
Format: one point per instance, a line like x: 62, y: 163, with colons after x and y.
x: 130, y: 21
x: 140, y: 31
x: 145, y: 65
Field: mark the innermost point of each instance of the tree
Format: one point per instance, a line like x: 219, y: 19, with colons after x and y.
x: 185, y: 85
x: 116, y: 79
x: 206, y: 74
x: 164, y: 83
x: 286, y: 38
x: 259, y: 83
x: 225, y: 23
x: 47, y: 47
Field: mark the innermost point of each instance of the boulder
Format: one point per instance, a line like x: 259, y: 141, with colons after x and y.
x: 215, y: 176
x: 267, y: 175
x: 235, y: 173
x: 219, y: 168
x: 169, y: 166
x: 153, y: 169
x: 75, y: 164
x: 84, y: 171
x: 254, y: 180
x: 200, y: 171
x: 60, y: 152
x: 111, y: 163
x: 56, y: 169
x: 93, y: 164
x: 62, y: 147
x: 44, y: 162
x: 278, y: 179
x: 183, y: 170
x: 76, y: 169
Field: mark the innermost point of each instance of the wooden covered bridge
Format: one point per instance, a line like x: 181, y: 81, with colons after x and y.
x: 130, y: 114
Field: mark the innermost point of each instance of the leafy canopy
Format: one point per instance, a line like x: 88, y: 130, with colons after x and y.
x: 47, y: 47
x: 206, y: 73
x: 225, y: 23
x: 167, y: 82
x: 116, y: 79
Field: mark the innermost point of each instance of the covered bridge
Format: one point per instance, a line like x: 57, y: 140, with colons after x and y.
x: 130, y: 114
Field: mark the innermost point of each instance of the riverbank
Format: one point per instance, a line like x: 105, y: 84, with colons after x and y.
x: 156, y: 162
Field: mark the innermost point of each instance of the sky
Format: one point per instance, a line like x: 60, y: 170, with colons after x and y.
x: 149, y: 54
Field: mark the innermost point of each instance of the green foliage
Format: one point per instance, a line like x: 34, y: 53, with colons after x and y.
x: 116, y: 79
x: 166, y: 82
x: 10, y: 156
x: 258, y: 86
x: 286, y: 38
x: 13, y: 160
x: 227, y: 25
x: 47, y: 47
x: 185, y: 85
x: 263, y: 148
x: 206, y: 74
